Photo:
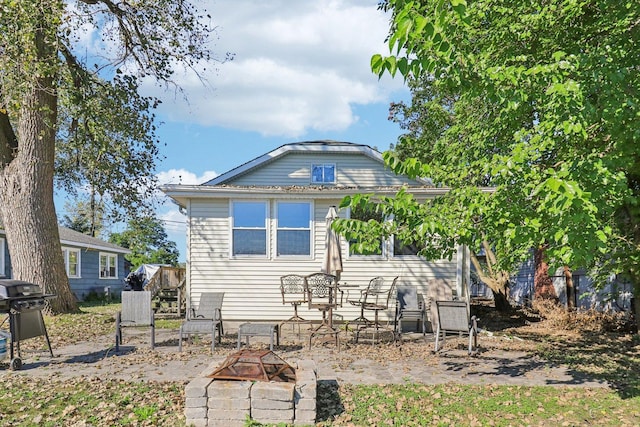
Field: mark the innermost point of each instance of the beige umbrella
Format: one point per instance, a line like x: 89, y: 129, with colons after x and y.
x: 332, y: 263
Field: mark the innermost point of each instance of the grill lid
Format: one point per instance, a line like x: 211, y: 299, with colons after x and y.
x: 254, y: 365
x: 10, y: 289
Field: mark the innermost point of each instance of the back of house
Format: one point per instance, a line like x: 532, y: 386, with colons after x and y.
x: 267, y: 218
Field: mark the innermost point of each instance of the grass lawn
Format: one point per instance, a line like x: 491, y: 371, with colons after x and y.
x: 584, y: 342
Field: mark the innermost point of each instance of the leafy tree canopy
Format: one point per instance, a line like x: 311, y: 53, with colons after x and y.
x: 70, y: 104
x: 84, y: 216
x: 147, y: 240
x: 545, y: 99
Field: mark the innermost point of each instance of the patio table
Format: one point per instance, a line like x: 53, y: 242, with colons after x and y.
x: 259, y: 330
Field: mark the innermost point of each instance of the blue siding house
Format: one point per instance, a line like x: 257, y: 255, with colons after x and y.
x: 92, y: 265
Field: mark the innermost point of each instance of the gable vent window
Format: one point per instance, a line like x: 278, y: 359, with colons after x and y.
x: 323, y: 173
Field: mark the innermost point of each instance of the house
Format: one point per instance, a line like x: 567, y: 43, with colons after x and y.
x: 266, y: 218
x: 92, y: 265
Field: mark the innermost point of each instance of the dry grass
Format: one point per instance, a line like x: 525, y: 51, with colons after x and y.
x: 597, y: 345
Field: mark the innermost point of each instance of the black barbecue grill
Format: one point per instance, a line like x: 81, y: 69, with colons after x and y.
x: 23, y: 303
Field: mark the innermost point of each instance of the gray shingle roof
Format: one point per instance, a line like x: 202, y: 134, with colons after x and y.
x: 75, y: 238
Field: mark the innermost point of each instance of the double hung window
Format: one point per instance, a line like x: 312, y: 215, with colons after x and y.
x: 72, y: 262
x: 293, y: 228
x: 365, y: 214
x: 108, y: 266
x: 402, y: 249
x: 249, y: 228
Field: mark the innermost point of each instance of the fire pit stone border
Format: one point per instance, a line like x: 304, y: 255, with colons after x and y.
x: 226, y: 403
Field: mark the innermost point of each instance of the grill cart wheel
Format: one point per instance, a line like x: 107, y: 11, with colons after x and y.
x: 15, y: 364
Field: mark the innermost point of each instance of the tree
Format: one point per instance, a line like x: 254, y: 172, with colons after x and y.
x: 85, y: 216
x: 427, y: 119
x: 50, y: 87
x: 547, y: 108
x: 147, y: 240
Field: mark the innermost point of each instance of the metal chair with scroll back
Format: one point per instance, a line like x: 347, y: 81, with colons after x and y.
x: 374, y: 287
x: 378, y: 302
x: 322, y: 294
x: 292, y: 288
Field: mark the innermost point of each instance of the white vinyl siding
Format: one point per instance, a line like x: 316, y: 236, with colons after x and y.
x: 252, y: 285
x: 72, y: 262
x: 295, y: 169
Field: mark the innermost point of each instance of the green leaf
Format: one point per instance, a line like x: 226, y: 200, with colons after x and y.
x: 390, y: 65
x: 403, y: 66
x: 377, y: 63
x: 601, y: 236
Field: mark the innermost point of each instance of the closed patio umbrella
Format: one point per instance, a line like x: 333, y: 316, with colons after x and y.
x: 332, y: 263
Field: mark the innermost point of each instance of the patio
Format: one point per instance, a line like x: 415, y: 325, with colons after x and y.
x: 86, y: 360
x: 413, y: 361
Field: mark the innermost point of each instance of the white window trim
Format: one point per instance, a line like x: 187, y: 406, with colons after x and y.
x: 65, y: 254
x: 385, y: 248
x: 311, y: 227
x: 335, y: 173
x: 2, y: 254
x: 267, y: 224
x: 108, y: 255
x: 392, y: 249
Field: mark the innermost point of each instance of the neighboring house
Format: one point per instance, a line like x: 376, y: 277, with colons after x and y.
x: 266, y: 218
x: 616, y: 295
x: 92, y: 265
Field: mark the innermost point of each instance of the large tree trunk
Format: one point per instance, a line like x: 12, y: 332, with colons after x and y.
x: 571, y: 290
x: 26, y: 192
x: 501, y: 292
x: 542, y: 282
x: 498, y: 281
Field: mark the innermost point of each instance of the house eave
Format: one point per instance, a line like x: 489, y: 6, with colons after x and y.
x: 182, y: 193
x: 70, y: 243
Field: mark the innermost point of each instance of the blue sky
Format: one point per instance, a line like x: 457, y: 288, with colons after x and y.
x: 300, y: 72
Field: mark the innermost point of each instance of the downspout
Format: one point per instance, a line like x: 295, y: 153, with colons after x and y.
x: 463, y: 273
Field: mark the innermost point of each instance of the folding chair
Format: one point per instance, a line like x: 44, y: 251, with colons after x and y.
x: 410, y: 306
x: 454, y: 316
x: 207, y: 319
x: 136, y: 311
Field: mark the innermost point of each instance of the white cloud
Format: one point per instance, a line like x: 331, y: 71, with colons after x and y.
x: 298, y: 66
x: 175, y: 223
x: 184, y: 177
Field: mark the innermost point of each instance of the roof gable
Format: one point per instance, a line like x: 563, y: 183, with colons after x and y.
x: 326, y: 146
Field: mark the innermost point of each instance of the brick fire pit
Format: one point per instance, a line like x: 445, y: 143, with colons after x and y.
x: 229, y: 402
